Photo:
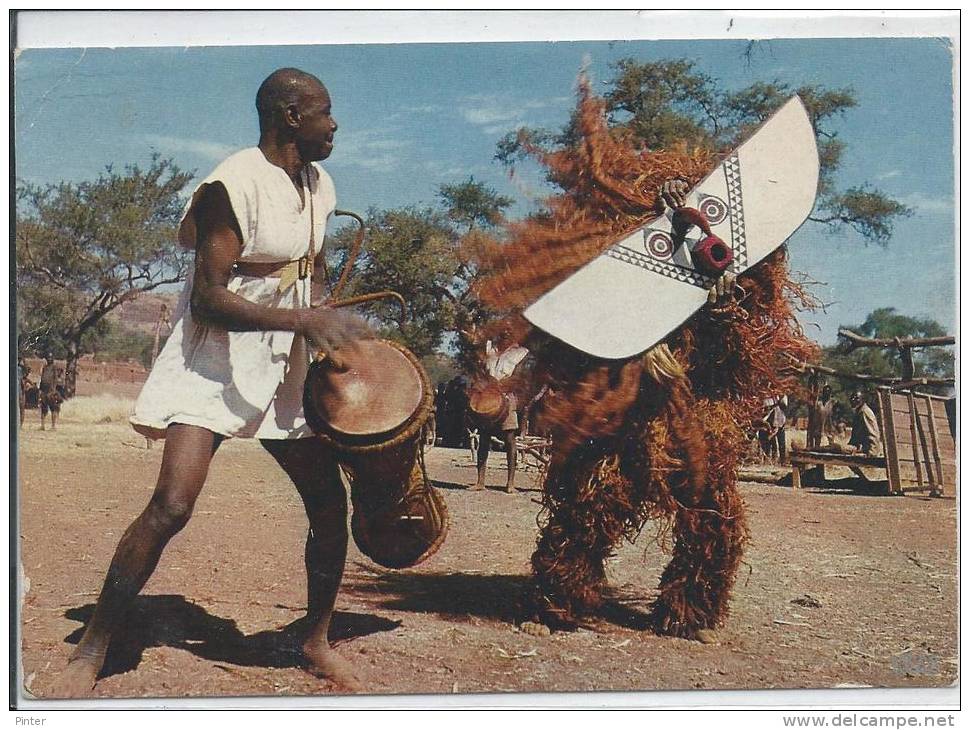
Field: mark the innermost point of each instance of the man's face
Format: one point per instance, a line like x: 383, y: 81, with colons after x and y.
x: 314, y: 136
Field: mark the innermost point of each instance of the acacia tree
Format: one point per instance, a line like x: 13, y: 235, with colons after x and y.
x: 477, y: 209
x: 473, y: 204
x: 666, y: 103
x: 419, y: 253
x: 409, y: 251
x: 887, y: 323
x: 85, y: 248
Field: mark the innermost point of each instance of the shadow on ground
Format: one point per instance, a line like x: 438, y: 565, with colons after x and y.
x: 171, y: 620
x: 490, y: 596
x: 454, y: 486
x: 462, y: 596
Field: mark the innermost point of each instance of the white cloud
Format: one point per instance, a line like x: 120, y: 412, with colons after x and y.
x: 496, y: 114
x: 423, y: 109
x: 214, y: 151
x: 922, y: 203
x: 374, y: 149
x: 889, y: 175
x: 443, y: 171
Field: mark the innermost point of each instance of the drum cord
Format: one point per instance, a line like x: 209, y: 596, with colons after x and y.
x: 351, y: 257
x: 336, y: 289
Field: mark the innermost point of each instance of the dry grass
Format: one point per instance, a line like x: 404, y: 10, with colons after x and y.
x: 102, y: 408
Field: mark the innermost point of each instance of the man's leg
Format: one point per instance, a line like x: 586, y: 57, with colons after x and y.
x: 484, y: 444
x: 511, y: 456
x: 185, y: 463
x: 55, y: 412
x: 315, y: 474
x: 43, y: 411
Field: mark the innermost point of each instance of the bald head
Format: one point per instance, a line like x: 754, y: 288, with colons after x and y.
x: 283, y: 88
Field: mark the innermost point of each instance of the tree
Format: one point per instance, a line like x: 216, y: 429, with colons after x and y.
x: 477, y: 209
x: 472, y: 204
x: 85, y: 248
x: 412, y: 251
x: 670, y: 102
x: 419, y: 253
x: 122, y: 343
x: 887, y: 323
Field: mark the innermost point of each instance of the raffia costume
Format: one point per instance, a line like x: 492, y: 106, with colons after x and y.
x: 653, y: 436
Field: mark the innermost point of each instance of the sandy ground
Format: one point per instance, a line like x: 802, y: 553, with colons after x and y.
x: 836, y: 588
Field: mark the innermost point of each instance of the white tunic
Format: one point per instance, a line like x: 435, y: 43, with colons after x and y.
x: 245, y: 384
x: 501, y: 365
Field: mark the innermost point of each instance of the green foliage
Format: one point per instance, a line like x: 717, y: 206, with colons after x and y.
x: 664, y: 103
x: 470, y: 204
x: 414, y: 252
x: 870, y: 213
x: 85, y: 248
x: 669, y: 102
x: 417, y: 252
x: 440, y: 367
x: 886, y: 323
x: 121, y: 343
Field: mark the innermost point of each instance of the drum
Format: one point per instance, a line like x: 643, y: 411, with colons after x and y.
x: 372, y: 414
x: 487, y: 404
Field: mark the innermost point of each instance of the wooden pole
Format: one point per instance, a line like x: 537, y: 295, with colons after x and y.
x: 934, y: 441
x: 856, y: 340
x: 894, y: 382
x: 913, y: 419
x: 889, y: 440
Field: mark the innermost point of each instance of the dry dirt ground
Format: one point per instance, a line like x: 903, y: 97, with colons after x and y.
x: 836, y: 588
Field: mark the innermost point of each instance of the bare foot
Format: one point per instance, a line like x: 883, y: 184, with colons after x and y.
x: 534, y: 628
x: 78, y: 677
x: 324, y: 662
x: 477, y: 487
x: 706, y: 636
x: 510, y: 489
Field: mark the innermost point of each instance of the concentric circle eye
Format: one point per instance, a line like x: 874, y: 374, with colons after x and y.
x: 659, y: 245
x: 713, y: 209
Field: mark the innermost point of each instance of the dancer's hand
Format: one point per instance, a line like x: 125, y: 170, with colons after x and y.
x: 673, y: 193
x: 722, y: 293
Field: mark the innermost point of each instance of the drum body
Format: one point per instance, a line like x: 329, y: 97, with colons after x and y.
x: 371, y: 414
x: 487, y: 404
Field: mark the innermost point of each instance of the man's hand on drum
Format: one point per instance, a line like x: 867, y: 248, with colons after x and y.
x: 673, y: 193
x: 330, y: 330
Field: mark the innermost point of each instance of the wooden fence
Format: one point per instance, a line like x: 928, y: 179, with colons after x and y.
x: 919, y: 442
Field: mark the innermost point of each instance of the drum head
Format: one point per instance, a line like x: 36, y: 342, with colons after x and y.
x: 378, y: 392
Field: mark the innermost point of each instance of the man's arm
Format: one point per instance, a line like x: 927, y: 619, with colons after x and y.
x: 219, y: 247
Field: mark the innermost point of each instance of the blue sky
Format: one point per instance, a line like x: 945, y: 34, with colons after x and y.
x: 415, y: 116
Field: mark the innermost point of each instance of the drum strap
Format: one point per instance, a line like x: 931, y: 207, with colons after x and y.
x: 288, y: 272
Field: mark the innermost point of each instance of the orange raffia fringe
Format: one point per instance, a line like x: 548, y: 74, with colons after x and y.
x: 612, y: 188
x: 657, y: 436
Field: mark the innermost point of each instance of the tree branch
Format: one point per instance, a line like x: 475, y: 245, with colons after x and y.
x: 25, y: 239
x: 862, y: 378
x: 441, y: 290
x: 899, y: 343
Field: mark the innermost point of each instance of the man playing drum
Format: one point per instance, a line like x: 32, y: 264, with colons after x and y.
x: 501, y: 361
x: 237, y: 358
